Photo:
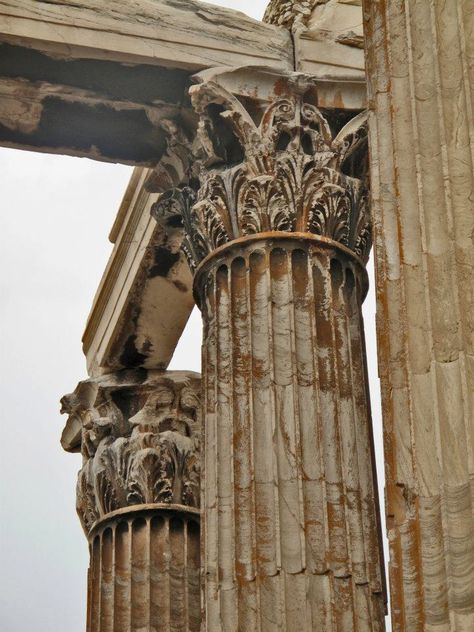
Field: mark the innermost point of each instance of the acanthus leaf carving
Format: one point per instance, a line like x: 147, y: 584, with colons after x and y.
x: 151, y: 456
x: 176, y: 166
x: 293, y: 173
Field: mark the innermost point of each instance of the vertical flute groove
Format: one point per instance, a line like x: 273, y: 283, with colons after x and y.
x: 139, y: 574
x: 95, y: 585
x: 422, y: 52
x: 225, y: 442
x: 107, y: 588
x: 211, y: 553
x: 150, y: 573
x: 242, y: 449
x: 177, y: 575
x: 306, y: 534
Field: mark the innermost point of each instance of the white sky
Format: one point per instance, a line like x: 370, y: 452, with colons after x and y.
x: 55, y: 215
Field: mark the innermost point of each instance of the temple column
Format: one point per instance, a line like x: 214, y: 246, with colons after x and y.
x: 138, y: 498
x: 421, y: 78
x: 278, y: 236
x: 290, y: 530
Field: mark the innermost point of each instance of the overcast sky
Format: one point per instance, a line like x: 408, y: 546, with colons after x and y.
x: 55, y: 215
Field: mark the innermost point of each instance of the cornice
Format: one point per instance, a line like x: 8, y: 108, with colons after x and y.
x: 126, y: 326
x: 125, y: 238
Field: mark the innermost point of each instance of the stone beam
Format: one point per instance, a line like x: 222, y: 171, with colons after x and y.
x: 188, y: 34
x: 145, y: 296
x: 99, y: 109
x: 96, y: 79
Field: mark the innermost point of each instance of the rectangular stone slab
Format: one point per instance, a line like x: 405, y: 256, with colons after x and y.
x: 186, y: 34
x: 95, y: 78
x: 145, y: 296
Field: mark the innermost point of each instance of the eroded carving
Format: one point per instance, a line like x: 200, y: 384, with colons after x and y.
x: 288, y: 172
x: 173, y: 212
x: 139, y: 441
x: 177, y: 165
x: 290, y: 13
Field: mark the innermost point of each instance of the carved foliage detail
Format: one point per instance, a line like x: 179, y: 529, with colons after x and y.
x: 290, y: 13
x: 140, y: 444
x: 290, y: 175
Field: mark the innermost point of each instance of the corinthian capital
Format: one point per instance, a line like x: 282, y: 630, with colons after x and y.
x: 287, y: 167
x: 139, y: 437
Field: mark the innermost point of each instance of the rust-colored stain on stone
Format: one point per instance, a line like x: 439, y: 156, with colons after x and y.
x: 419, y: 82
x: 268, y: 204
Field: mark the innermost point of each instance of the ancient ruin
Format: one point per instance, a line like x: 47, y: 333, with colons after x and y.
x: 138, y: 496
x: 269, y: 156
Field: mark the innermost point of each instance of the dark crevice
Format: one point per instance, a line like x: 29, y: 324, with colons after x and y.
x: 131, y: 357
x: 121, y: 135
x: 139, y: 83
x: 226, y: 144
x: 164, y: 260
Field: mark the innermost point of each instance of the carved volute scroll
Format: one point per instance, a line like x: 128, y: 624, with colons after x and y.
x: 139, y: 438
x: 177, y: 166
x: 287, y: 172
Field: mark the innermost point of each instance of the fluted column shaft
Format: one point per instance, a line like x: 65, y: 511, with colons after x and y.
x: 291, y: 538
x: 138, y: 498
x: 420, y: 70
x: 276, y: 226
x: 144, y: 571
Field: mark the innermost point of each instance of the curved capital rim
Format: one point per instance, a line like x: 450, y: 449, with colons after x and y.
x: 124, y: 512
x: 308, y: 238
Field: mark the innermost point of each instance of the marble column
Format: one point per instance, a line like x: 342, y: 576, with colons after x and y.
x: 278, y: 236
x: 138, y: 498
x: 420, y: 70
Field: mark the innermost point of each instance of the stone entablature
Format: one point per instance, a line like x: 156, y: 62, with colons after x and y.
x: 49, y: 51
x: 127, y: 327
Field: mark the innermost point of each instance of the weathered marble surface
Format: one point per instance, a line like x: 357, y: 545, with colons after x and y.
x: 420, y: 69
x: 138, y: 497
x: 139, y: 435
x: 275, y: 233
